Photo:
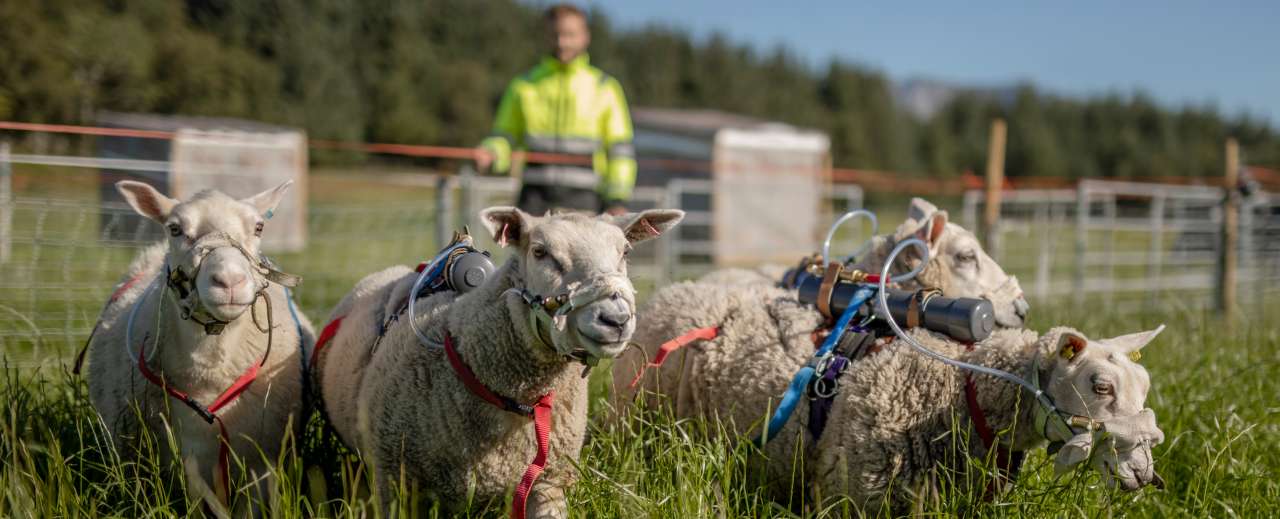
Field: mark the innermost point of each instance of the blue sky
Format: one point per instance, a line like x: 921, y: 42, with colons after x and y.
x: 1223, y: 53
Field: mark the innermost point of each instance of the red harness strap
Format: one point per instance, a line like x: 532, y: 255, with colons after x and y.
x: 1006, y: 461
x: 540, y: 412
x: 209, y: 414
x: 115, y: 295
x: 696, y: 334
x: 326, y: 335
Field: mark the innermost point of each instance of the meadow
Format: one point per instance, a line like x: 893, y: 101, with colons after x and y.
x: 1214, y: 392
x: 1215, y: 389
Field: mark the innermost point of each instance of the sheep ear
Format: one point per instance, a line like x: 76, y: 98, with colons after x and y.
x: 924, y: 221
x: 506, y: 225
x: 647, y: 225
x: 265, y: 202
x: 1070, y: 344
x: 1131, y: 343
x: 146, y: 200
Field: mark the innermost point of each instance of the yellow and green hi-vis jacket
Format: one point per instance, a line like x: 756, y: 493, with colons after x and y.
x: 567, y: 108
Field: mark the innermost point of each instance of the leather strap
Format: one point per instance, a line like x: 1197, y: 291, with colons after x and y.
x: 829, y: 279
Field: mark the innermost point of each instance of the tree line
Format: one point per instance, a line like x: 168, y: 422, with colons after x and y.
x: 409, y: 71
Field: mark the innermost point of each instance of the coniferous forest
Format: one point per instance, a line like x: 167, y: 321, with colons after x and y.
x: 431, y: 72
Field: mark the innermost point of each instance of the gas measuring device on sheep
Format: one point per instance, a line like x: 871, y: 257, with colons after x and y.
x: 843, y: 295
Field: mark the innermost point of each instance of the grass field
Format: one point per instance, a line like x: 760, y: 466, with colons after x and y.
x: 1215, y: 389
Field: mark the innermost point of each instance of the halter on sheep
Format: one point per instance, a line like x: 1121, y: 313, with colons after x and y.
x: 184, y: 283
x: 550, y: 311
x: 1054, y: 424
x: 190, y: 303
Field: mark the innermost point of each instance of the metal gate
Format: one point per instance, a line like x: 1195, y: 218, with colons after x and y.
x: 1130, y: 245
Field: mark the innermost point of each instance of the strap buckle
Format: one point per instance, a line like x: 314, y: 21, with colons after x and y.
x: 823, y: 387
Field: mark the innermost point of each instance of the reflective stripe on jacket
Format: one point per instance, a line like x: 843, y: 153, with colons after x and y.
x: 569, y: 109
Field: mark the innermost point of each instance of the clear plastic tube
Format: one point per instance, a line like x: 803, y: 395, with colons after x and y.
x: 133, y: 314
x: 831, y: 233
x: 883, y: 300
x: 427, y: 273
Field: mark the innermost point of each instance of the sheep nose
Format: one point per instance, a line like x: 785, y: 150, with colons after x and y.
x: 227, y: 279
x: 615, y: 319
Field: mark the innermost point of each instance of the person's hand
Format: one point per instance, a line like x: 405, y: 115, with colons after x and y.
x: 615, y: 209
x: 483, y: 159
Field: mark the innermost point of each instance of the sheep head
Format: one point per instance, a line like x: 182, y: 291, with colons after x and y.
x: 576, y: 254
x: 1101, y: 380
x: 202, y: 231
x: 958, y: 265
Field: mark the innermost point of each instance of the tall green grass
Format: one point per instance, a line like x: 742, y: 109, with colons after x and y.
x: 1215, y: 389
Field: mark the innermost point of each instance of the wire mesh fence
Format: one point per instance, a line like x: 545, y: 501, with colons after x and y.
x: 1130, y: 245
x: 65, y: 248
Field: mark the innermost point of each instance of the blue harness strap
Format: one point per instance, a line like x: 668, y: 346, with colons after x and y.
x: 297, y: 323
x: 800, y: 382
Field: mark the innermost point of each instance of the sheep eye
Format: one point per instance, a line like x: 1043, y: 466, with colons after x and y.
x: 1103, y: 388
x: 967, y: 257
x: 539, y: 252
x: 175, y: 230
x: 257, y: 229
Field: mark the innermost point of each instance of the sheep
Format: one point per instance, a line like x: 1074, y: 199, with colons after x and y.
x: 886, y: 399
x: 957, y: 265
x: 197, y: 330
x: 891, y: 427
x: 407, y: 412
x: 765, y: 332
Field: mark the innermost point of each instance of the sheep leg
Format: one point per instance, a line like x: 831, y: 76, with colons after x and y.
x: 546, y: 501
x: 199, y: 487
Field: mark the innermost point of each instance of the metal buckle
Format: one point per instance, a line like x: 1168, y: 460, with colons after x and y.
x: 822, y: 388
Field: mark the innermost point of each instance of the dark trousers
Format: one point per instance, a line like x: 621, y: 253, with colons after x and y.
x: 538, y: 199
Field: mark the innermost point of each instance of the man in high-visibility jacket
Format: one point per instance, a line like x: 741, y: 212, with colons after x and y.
x: 577, y: 113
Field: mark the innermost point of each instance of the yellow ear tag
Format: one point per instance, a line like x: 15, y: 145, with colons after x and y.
x: 1135, y: 355
x: 1068, y: 351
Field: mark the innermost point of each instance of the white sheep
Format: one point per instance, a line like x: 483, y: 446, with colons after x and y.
x: 888, y: 426
x: 957, y: 264
x: 198, y: 330
x: 406, y: 409
x: 890, y: 436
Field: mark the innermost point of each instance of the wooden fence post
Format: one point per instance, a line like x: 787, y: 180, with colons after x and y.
x: 1227, y: 259
x: 995, y: 182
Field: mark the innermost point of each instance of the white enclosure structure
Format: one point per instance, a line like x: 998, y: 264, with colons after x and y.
x: 769, y: 193
x: 234, y: 156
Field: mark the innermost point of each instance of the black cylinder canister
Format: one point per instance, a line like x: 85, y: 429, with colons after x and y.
x: 964, y: 319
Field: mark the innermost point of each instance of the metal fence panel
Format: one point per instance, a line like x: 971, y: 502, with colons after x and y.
x: 1129, y: 245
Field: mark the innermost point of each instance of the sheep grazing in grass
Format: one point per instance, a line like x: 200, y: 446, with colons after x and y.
x: 407, y: 407
x: 886, y: 427
x: 766, y: 333
x: 957, y: 264
x: 902, y: 424
x: 197, y: 314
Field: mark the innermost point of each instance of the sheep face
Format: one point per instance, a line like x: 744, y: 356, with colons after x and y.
x: 1101, y: 380
x: 579, y: 254
x: 201, y: 232
x: 959, y: 266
